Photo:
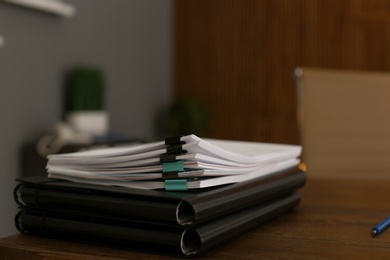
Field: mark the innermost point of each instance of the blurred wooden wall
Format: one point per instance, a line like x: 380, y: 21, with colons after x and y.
x: 238, y: 56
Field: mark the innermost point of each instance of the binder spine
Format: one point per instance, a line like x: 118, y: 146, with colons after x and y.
x: 18, y: 223
x: 17, y: 197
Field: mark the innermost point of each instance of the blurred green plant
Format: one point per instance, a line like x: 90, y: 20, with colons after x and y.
x: 186, y: 116
x: 85, y: 89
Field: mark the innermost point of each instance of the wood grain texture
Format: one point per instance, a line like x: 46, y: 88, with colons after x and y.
x: 334, y: 220
x: 344, y: 122
x: 238, y: 57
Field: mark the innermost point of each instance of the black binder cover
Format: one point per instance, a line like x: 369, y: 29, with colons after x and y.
x: 152, y: 237
x: 153, y: 205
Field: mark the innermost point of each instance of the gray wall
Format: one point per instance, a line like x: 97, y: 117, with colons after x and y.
x: 129, y: 39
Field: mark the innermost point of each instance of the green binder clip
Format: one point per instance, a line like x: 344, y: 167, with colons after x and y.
x: 176, y: 185
x: 177, y: 166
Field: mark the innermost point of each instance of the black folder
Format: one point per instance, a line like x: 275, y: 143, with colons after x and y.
x: 187, y: 240
x: 183, y: 208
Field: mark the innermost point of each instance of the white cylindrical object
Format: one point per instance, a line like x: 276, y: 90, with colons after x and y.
x: 91, y: 122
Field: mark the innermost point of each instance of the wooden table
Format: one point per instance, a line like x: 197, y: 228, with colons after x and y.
x: 334, y: 220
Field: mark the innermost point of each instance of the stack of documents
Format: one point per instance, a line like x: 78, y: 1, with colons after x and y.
x: 182, y: 163
x: 179, y: 197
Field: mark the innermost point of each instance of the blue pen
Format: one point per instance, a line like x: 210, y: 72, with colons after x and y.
x: 381, y: 227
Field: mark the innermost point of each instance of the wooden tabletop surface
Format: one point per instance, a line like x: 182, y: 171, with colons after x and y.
x: 334, y: 220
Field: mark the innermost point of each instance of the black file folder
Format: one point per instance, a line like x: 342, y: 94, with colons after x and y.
x: 152, y: 237
x: 183, y: 208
